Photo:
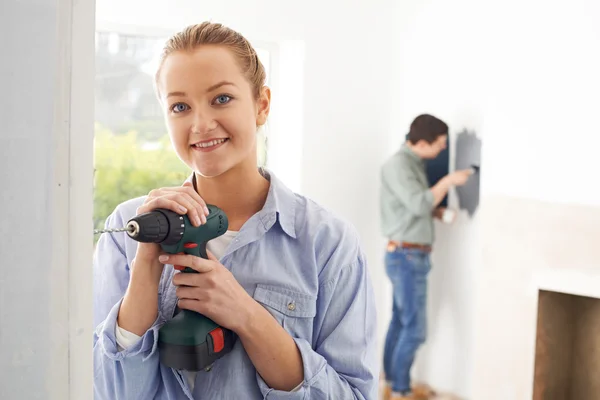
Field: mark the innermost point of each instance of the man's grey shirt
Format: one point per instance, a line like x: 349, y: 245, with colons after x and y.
x: 406, y: 202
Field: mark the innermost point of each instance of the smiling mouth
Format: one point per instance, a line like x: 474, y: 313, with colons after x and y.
x: 210, y: 144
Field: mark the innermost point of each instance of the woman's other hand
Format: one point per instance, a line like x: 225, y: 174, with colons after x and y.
x: 213, y: 291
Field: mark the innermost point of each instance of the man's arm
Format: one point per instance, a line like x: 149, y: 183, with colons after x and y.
x: 440, y: 190
x: 404, y: 185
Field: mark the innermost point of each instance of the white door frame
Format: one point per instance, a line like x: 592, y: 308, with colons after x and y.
x: 73, y: 186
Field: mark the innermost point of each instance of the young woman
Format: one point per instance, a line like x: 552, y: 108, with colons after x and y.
x: 289, y: 278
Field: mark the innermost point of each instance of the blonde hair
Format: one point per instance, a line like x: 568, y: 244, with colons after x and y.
x: 208, y: 33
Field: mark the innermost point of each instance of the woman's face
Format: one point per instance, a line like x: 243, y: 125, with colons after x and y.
x: 210, y: 110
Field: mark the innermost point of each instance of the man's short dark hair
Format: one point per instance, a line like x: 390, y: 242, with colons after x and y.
x: 428, y: 128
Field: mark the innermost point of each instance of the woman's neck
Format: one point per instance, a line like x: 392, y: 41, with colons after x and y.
x: 240, y: 193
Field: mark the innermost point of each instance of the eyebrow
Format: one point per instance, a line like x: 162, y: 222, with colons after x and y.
x: 176, y: 94
x: 218, y: 85
x: 210, y: 89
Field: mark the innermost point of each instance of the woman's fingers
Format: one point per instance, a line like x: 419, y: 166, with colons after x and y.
x: 198, y: 264
x: 201, y: 307
x: 189, y: 187
x: 190, y: 292
x: 197, y: 200
x: 195, y: 213
x: 211, y: 256
x: 162, y: 202
x: 178, y: 200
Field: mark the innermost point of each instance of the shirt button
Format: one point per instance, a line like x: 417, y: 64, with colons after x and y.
x: 291, y: 306
x: 207, y: 369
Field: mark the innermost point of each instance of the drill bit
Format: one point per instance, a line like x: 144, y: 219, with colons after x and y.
x: 125, y: 229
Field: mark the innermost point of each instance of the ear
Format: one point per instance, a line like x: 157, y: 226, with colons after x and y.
x: 263, y: 106
x: 420, y: 143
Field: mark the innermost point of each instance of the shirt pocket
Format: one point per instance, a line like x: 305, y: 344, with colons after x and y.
x: 294, y: 310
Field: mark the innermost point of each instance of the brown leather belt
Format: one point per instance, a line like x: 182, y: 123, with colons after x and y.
x: 393, y: 245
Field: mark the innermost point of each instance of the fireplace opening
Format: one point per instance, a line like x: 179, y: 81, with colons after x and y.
x: 567, y: 351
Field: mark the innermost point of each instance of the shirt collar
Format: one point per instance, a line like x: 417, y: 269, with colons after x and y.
x: 280, y: 205
x: 407, y: 150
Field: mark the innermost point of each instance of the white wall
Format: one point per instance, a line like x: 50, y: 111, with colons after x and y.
x: 437, y: 71
x: 520, y: 73
x: 524, y: 76
x: 331, y: 103
x: 46, y: 75
x: 514, y: 72
x: 346, y: 121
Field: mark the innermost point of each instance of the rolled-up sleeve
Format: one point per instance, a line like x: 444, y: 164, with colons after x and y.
x: 132, y: 373
x: 405, y: 186
x: 341, y: 363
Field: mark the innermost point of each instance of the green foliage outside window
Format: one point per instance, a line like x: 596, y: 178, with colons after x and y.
x: 126, y: 167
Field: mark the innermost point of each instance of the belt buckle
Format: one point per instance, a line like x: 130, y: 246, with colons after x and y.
x: 391, y: 246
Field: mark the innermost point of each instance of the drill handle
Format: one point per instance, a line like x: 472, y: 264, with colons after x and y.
x: 195, y: 249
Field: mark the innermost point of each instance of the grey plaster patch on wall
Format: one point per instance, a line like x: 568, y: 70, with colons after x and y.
x: 468, y: 154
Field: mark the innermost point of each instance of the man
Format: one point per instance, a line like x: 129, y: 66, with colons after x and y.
x: 408, y: 205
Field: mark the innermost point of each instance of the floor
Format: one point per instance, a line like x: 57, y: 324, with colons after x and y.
x: 441, y: 396
x: 444, y: 397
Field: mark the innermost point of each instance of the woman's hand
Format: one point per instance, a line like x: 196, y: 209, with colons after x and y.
x: 140, y: 303
x: 182, y: 200
x: 213, y: 291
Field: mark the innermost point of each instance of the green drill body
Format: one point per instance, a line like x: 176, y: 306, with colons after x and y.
x: 190, y: 341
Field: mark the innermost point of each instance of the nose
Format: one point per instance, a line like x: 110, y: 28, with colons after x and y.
x: 203, y: 122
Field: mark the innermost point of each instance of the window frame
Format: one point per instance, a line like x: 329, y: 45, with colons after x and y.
x: 165, y: 32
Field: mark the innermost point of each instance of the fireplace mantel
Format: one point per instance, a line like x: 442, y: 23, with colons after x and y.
x: 582, y: 281
x: 527, y: 246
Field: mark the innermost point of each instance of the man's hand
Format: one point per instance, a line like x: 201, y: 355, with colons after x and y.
x: 459, y: 178
x: 444, y: 214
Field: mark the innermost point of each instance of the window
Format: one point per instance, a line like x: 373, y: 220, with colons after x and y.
x: 132, y: 150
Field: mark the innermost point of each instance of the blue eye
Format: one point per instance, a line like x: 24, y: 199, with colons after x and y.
x: 223, y: 99
x: 178, y: 107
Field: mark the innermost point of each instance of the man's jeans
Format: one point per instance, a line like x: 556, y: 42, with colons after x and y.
x: 408, y: 270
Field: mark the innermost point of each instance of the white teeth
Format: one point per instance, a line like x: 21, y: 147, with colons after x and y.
x: 211, y: 143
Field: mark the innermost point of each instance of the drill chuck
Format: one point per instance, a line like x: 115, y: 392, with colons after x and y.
x: 157, y: 226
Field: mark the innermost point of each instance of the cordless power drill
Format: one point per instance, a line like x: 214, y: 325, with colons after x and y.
x: 189, y: 341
